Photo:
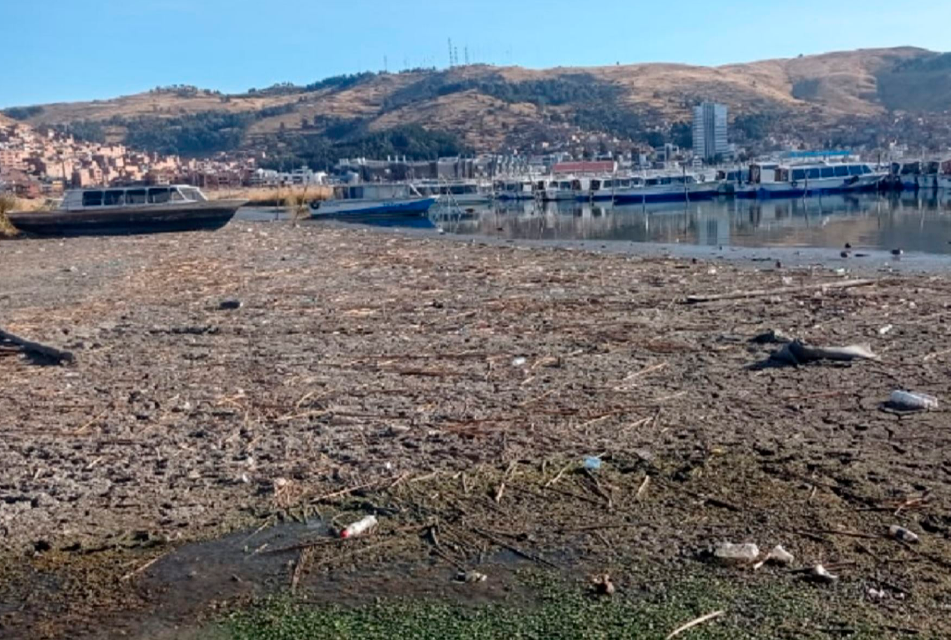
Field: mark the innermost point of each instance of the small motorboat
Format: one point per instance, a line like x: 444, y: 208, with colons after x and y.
x: 364, y: 200
x: 129, y: 210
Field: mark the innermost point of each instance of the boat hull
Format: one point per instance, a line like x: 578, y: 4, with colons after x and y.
x: 203, y: 216
x: 819, y: 187
x: 364, y: 208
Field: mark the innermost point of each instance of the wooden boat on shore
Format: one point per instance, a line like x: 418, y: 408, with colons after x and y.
x: 129, y: 210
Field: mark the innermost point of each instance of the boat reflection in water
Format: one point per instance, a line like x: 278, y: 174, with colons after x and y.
x: 863, y: 220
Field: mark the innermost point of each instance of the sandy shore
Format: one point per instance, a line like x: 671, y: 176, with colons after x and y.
x: 368, y: 361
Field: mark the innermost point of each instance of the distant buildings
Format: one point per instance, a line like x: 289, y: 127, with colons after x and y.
x: 710, y: 131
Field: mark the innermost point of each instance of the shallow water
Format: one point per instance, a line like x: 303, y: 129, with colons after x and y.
x: 911, y: 223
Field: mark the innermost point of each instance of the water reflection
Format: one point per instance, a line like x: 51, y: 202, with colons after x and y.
x: 907, y: 221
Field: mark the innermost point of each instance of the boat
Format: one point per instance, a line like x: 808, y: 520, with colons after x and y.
x: 667, y: 188
x: 916, y: 176
x: 563, y: 189
x: 463, y: 192
x: 129, y: 210
x: 813, y: 179
x: 514, y: 189
x: 735, y: 183
x: 385, y: 199
x: 608, y: 188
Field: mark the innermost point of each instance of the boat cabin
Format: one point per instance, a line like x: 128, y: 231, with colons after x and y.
x: 131, y: 196
x: 370, y: 191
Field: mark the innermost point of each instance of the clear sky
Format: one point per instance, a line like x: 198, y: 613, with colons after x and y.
x: 59, y: 50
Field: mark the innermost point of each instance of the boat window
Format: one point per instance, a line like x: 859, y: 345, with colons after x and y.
x: 191, y: 194
x: 175, y: 196
x: 113, y: 198
x: 841, y: 171
x: 866, y: 169
x: 798, y: 174
x: 855, y: 170
x: 828, y: 172
x: 135, y: 196
x: 814, y: 174
x: 92, y: 198
x: 158, y: 196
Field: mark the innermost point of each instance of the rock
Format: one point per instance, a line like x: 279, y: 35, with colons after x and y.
x: 231, y: 304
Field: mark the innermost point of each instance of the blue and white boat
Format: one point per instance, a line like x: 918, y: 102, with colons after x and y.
x: 523, y: 189
x: 667, y: 188
x: 813, y: 179
x: 386, y: 199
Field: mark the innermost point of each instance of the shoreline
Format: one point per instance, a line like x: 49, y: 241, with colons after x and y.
x: 398, y: 373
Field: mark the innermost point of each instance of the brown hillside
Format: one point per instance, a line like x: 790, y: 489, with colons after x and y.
x: 813, y: 90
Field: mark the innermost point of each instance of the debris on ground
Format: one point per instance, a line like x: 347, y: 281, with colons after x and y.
x: 820, y: 574
x: 40, y: 352
x: 798, y: 353
x: 903, y: 535
x: 909, y: 401
x: 729, y: 553
x: 778, y: 556
x: 603, y: 586
x: 360, y: 527
x: 471, y: 577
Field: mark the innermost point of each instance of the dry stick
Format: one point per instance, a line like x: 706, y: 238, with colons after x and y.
x: 145, y: 566
x: 694, y: 623
x: 525, y: 554
x: 763, y: 293
x: 559, y: 474
x: 847, y: 534
x: 642, y: 488
x: 299, y: 568
x: 37, y: 348
x: 344, y: 492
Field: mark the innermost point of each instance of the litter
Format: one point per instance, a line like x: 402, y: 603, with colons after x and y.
x: 821, y: 574
x: 730, y: 553
x: 592, y: 463
x: 903, y: 535
x: 359, y: 527
x: 779, y: 556
x: 797, y: 352
x: 471, y: 577
x: 603, y: 585
x: 908, y: 401
x: 519, y: 362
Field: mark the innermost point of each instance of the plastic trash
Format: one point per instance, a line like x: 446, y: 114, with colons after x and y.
x: 592, y: 463
x: 470, y: 577
x: 821, y: 574
x: 909, y: 401
x: 728, y: 552
x: 359, y: 527
x: 779, y: 556
x: 519, y: 362
x: 902, y: 534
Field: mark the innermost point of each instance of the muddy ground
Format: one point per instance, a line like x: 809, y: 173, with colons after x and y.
x: 452, y: 388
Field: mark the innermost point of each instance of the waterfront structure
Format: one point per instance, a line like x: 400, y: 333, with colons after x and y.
x: 710, y: 131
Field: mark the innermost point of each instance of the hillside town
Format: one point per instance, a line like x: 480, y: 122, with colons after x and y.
x: 44, y: 162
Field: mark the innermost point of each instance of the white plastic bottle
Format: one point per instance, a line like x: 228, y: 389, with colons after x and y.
x: 359, y: 527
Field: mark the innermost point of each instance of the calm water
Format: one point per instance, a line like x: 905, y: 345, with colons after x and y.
x: 866, y: 221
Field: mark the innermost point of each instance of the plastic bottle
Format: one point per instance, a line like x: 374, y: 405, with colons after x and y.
x: 359, y: 527
x: 903, y: 534
x: 736, y: 553
x: 913, y: 401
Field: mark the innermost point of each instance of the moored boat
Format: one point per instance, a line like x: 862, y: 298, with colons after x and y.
x: 463, y: 192
x: 514, y: 189
x: 129, y: 210
x: 813, y: 179
x: 373, y: 200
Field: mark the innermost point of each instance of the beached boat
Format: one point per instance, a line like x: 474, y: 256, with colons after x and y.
x: 813, y: 179
x: 457, y: 192
x: 373, y: 200
x: 129, y: 210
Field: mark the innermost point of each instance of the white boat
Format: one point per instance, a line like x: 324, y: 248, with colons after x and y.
x: 920, y: 175
x: 464, y: 192
x: 609, y: 188
x: 369, y: 199
x: 562, y: 189
x: 813, y: 179
x: 668, y: 188
x: 514, y: 189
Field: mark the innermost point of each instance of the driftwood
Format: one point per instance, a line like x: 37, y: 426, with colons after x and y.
x: 35, y: 348
x: 797, y: 352
x: 781, y: 291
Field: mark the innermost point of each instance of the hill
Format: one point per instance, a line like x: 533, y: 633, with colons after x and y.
x: 485, y: 108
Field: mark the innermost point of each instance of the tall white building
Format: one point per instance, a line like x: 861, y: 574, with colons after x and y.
x: 710, y: 131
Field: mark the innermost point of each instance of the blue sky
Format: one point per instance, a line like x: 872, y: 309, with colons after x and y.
x: 59, y: 50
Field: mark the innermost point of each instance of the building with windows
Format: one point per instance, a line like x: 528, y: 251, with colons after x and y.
x: 710, y: 131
